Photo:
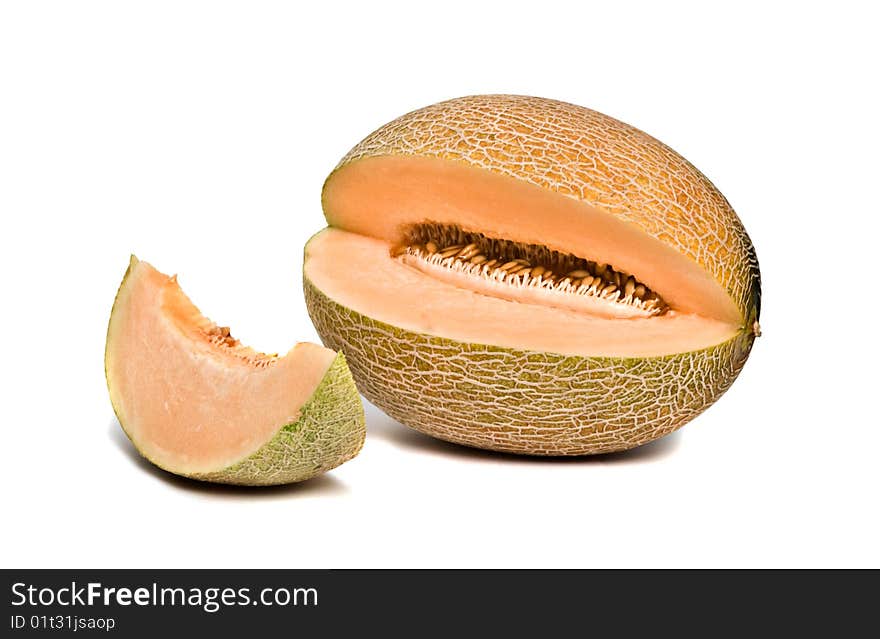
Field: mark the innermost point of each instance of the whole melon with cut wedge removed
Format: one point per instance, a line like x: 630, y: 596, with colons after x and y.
x: 197, y: 403
x: 530, y: 276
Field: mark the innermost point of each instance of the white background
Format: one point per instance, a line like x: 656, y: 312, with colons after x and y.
x: 197, y: 135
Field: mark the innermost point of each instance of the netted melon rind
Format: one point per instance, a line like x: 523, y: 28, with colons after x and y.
x: 584, y: 154
x: 520, y: 401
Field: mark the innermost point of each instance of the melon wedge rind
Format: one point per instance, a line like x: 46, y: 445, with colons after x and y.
x: 330, y: 431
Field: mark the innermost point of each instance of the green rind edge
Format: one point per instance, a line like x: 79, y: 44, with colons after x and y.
x: 330, y: 431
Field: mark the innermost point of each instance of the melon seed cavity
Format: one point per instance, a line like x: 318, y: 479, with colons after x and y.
x: 525, y: 267
x: 221, y: 336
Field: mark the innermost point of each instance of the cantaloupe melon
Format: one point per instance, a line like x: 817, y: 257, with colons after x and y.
x: 526, y: 275
x: 197, y: 403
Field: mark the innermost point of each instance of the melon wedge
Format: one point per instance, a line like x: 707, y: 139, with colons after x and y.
x: 197, y: 403
x: 530, y: 276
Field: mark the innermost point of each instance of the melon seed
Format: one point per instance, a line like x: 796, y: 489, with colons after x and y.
x: 455, y: 246
x: 450, y: 251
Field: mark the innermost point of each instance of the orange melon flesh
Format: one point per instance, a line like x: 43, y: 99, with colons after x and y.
x: 359, y: 273
x: 191, y: 403
x: 379, y: 196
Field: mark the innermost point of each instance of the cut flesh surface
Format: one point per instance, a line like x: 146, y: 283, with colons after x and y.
x: 381, y: 197
x: 195, y: 402
x: 380, y: 207
x: 360, y: 273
